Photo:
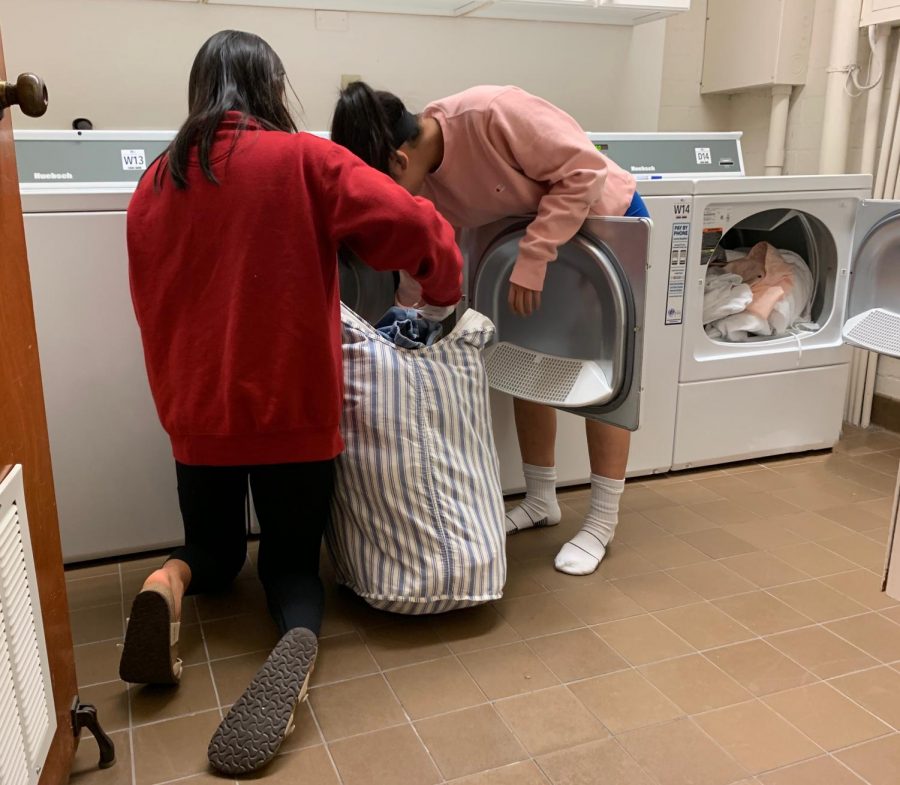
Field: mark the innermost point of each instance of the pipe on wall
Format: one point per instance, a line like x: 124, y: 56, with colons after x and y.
x: 838, y: 102
x: 874, y: 99
x: 887, y: 136
x: 778, y: 122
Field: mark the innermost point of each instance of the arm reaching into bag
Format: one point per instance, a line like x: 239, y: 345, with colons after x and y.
x: 391, y: 230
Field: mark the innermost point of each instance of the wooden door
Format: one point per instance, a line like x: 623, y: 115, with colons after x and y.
x: 23, y: 440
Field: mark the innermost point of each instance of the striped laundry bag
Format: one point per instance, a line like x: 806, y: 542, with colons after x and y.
x: 417, y: 523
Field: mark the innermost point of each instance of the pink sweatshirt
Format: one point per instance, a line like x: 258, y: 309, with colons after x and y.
x: 506, y: 153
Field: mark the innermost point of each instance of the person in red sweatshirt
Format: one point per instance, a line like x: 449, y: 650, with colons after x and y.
x: 233, y: 236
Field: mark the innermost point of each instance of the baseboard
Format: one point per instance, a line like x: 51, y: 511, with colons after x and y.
x: 886, y: 412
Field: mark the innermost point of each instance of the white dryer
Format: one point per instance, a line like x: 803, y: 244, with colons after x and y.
x: 771, y: 395
x: 667, y: 166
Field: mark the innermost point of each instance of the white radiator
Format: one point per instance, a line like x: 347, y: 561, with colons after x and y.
x: 27, y: 713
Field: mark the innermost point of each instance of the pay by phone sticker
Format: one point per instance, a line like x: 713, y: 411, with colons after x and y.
x: 134, y: 160
x: 681, y: 232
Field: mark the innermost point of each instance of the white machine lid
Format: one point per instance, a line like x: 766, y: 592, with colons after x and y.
x: 59, y: 198
x: 873, y: 307
x: 785, y: 184
x: 664, y: 187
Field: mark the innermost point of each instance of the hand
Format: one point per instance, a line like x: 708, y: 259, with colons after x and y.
x: 523, y: 302
x: 436, y: 313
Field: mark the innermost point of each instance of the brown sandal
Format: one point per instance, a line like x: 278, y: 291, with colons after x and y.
x: 150, y: 653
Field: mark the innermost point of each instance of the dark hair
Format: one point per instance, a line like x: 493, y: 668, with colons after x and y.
x: 373, y: 124
x: 233, y: 71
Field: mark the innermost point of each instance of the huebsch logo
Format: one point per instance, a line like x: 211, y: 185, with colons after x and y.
x: 643, y: 168
x: 53, y: 176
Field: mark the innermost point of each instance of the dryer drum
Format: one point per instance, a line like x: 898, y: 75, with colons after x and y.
x: 366, y: 291
x: 802, y: 234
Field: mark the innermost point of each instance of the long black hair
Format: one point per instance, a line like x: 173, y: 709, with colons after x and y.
x: 233, y: 71
x: 373, y: 124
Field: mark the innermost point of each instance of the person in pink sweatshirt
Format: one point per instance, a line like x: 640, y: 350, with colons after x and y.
x: 482, y: 155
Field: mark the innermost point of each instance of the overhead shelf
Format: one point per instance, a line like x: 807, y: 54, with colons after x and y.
x: 604, y: 12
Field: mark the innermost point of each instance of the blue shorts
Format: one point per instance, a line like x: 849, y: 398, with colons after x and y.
x: 637, y: 208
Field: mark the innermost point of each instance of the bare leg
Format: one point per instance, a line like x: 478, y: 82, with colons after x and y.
x: 176, y: 575
x: 536, y: 428
x: 608, y: 447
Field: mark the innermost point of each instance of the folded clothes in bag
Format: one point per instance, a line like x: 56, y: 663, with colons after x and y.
x: 417, y: 521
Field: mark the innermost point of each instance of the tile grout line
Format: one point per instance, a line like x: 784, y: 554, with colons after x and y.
x: 457, y: 658
x: 127, y: 687
x: 409, y: 720
x: 325, y: 743
x: 209, y: 665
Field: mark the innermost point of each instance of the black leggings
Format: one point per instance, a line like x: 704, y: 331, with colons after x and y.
x: 292, y: 502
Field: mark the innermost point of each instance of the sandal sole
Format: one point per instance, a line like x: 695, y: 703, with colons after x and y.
x: 147, y: 655
x: 256, y: 726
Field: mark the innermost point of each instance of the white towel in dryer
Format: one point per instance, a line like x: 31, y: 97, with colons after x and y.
x: 724, y: 294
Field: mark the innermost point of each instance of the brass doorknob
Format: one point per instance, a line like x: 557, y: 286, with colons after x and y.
x: 29, y: 92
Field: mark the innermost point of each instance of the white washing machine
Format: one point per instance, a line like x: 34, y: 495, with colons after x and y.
x: 112, y: 463
x: 667, y: 167
x: 113, y: 469
x: 768, y: 396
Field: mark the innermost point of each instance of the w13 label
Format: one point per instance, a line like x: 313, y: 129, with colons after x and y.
x: 134, y: 160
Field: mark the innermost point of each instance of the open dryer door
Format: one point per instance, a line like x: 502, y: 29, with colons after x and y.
x: 368, y: 292
x: 873, y: 307
x: 582, y: 350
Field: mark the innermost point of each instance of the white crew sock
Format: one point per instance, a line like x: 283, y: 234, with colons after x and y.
x: 583, y: 553
x: 539, y: 507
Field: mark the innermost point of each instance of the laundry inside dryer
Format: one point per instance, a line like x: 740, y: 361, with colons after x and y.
x: 770, y: 277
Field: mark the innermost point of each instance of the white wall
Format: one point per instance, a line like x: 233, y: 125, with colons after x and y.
x: 888, y: 382
x: 683, y: 108
x: 637, y: 87
x: 125, y: 63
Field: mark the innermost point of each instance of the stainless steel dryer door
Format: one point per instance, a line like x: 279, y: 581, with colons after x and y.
x: 582, y: 350
x: 873, y: 308
x: 368, y: 292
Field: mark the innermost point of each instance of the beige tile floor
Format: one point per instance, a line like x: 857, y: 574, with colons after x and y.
x: 735, y: 634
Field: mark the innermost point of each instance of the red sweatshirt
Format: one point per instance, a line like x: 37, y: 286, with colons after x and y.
x: 235, y: 288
